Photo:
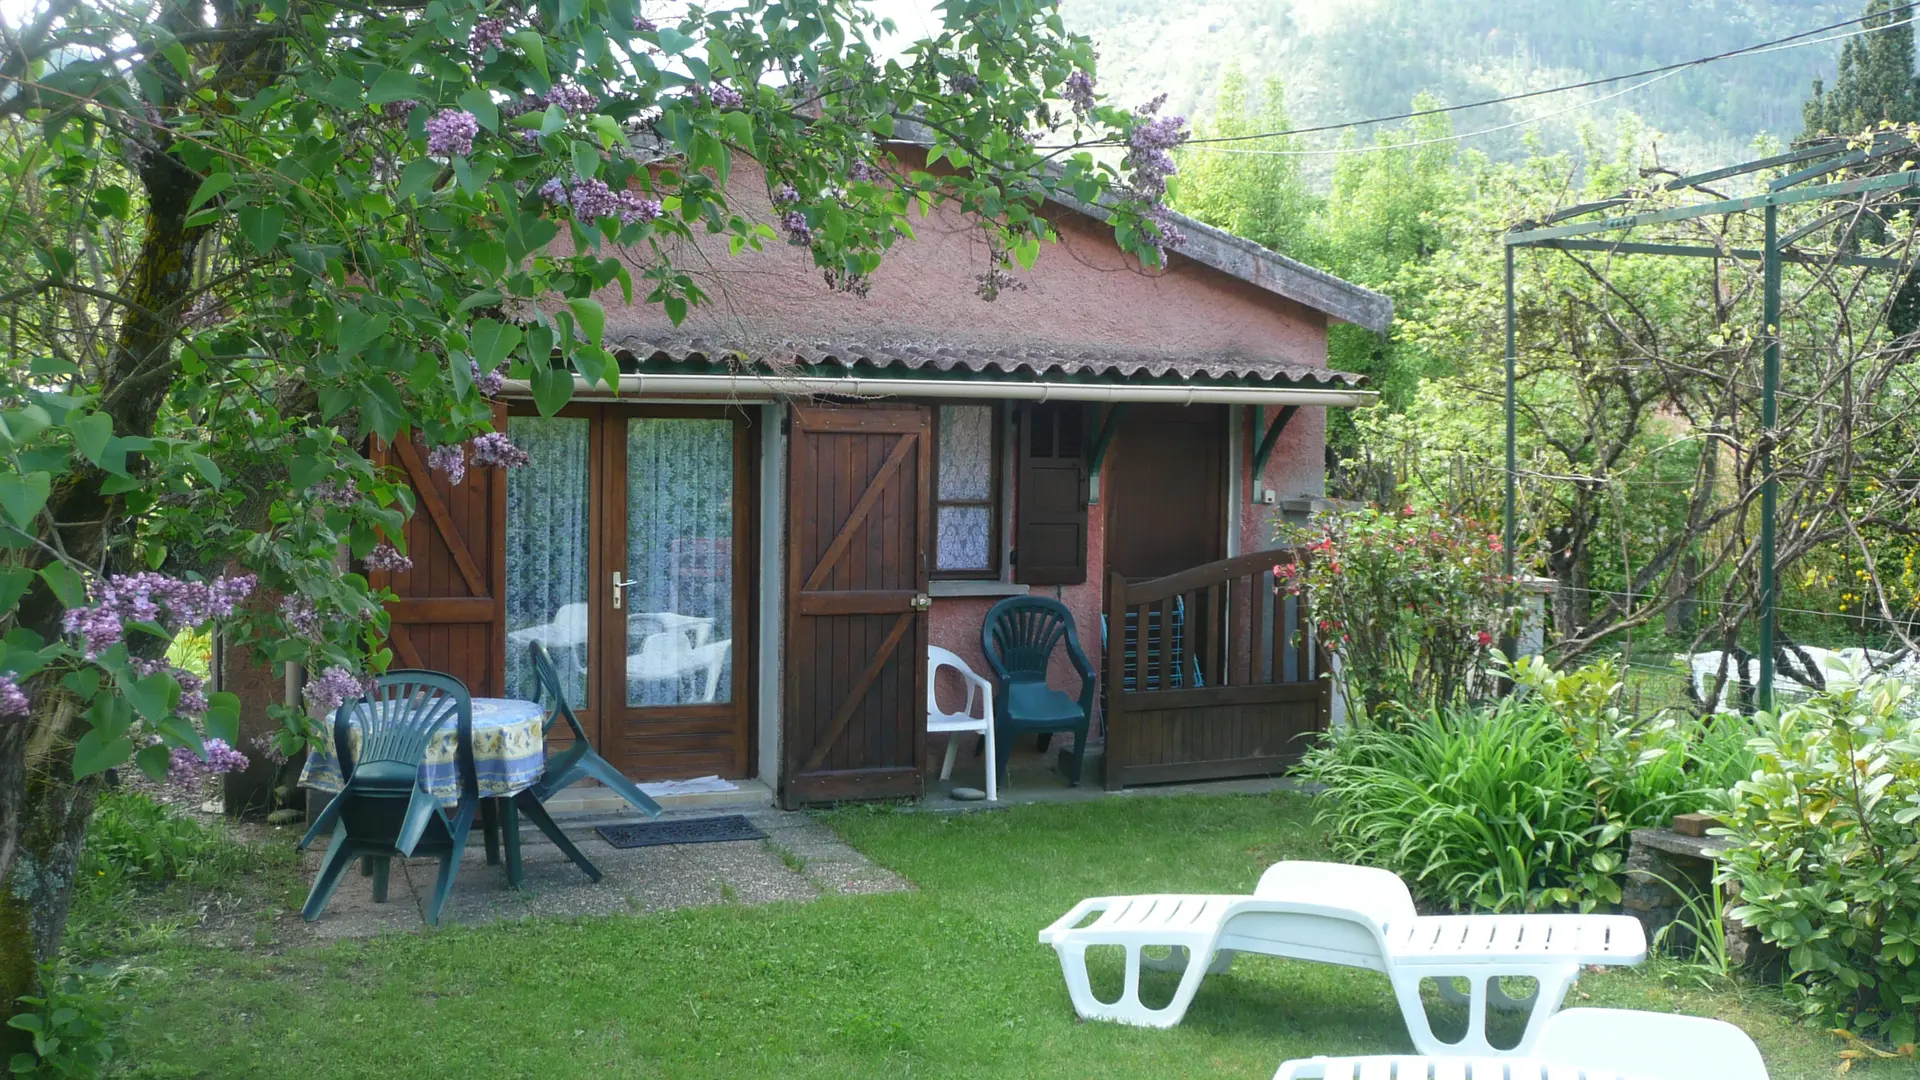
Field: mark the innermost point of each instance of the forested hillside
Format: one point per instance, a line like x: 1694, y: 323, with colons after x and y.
x: 1341, y: 59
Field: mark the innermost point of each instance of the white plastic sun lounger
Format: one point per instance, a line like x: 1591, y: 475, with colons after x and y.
x: 1353, y: 916
x: 1579, y: 1044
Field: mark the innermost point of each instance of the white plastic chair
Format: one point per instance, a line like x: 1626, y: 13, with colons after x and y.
x: 1593, y: 1044
x: 954, y: 724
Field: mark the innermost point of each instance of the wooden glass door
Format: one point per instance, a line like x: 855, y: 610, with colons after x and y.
x: 629, y: 542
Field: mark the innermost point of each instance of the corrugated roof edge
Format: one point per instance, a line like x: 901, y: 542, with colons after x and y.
x: 1239, y: 257
x: 949, y: 358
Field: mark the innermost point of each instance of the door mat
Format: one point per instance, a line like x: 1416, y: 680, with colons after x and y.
x: 707, y: 830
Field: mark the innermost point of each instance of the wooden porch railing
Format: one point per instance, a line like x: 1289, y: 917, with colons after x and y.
x: 1210, y: 674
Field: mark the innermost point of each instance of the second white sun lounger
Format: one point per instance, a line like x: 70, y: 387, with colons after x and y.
x: 1579, y: 1044
x: 1348, y: 915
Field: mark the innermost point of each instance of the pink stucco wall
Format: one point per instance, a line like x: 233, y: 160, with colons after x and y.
x: 1083, y: 295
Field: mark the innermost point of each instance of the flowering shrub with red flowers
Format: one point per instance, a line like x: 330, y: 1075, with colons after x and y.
x: 1415, y: 603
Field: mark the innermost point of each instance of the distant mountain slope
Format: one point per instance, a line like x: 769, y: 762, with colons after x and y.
x: 1343, y: 59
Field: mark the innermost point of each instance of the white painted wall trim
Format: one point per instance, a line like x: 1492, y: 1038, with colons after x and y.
x: 1234, y: 453
x: 772, y: 624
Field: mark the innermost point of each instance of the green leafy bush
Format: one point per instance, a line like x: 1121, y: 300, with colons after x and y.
x: 1414, y: 602
x: 77, y: 1025
x: 1523, y: 805
x: 1827, y: 852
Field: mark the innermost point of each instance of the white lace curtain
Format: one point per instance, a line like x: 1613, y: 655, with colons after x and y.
x: 680, y: 558
x: 547, y: 543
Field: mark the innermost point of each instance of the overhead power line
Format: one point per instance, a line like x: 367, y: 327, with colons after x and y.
x: 1800, y: 40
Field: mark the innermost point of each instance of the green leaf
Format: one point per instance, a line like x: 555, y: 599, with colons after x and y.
x: 211, y: 186
x: 596, y: 365
x: 592, y: 317
x: 381, y: 408
x: 152, y: 696
x: 14, y: 582
x: 492, y: 342
x: 676, y: 309
x: 552, y: 388
x: 586, y: 160
x: 23, y: 496
x: 176, y: 55
x: 208, y: 471
x: 480, y: 104
x: 393, y: 86
x: 417, y: 179
x: 570, y: 10
x: 673, y: 42
x: 68, y: 586
x: 533, y: 47
x: 261, y: 226
x: 483, y: 298
x: 223, y: 717
x: 608, y: 129
x: 91, y: 433
x: 95, y: 752
x: 153, y: 761
x: 358, y: 331
x: 740, y: 126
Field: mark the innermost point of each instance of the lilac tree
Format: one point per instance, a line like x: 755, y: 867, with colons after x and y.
x: 243, y: 238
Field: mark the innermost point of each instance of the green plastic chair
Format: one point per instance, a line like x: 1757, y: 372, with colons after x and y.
x: 576, y: 762
x: 383, y: 810
x: 1018, y: 637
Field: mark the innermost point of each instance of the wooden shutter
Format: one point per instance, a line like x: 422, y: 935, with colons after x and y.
x: 1050, y: 517
x: 855, y: 721
x: 451, y: 611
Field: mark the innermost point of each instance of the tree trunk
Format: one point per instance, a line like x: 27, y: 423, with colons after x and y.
x: 43, y: 825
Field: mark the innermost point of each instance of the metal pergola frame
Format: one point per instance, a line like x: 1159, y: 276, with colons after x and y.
x: 1817, y: 160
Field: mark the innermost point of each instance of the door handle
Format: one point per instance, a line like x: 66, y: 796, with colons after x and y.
x: 921, y: 602
x: 619, y: 588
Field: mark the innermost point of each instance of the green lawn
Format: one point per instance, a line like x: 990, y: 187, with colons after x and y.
x: 947, y: 981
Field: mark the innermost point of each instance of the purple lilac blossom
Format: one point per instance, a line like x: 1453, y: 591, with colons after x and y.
x: 1079, y: 92
x: 301, y: 616
x: 494, y: 448
x: 635, y: 207
x: 572, y: 99
x: 397, y: 111
x: 268, y: 748
x: 1149, y: 148
x: 784, y: 194
x: 723, y: 97
x: 188, y: 770
x: 335, y: 685
x: 487, y: 34
x: 525, y: 104
x: 963, y: 82
x: 13, y: 700
x: 554, y: 191
x: 863, y: 172
x: 387, y: 557
x: 338, y: 492
x: 451, y: 132
x: 126, y: 598
x: 592, y: 200
x: 451, y: 460
x: 644, y: 24
x: 799, y: 233
x: 489, y: 383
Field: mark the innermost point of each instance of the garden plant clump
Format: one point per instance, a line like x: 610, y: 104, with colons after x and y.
x: 1524, y: 804
x: 1414, y: 601
x: 1826, y: 850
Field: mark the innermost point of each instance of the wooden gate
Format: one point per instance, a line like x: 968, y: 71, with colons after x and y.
x: 451, y: 611
x: 1210, y: 674
x: 854, y: 724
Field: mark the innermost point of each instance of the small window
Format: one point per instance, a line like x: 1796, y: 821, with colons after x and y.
x: 966, y: 491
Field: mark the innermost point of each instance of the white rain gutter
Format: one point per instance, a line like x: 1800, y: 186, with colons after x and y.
x: 804, y: 386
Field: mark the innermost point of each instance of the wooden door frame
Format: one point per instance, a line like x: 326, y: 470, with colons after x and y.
x: 798, y: 569
x: 606, y: 488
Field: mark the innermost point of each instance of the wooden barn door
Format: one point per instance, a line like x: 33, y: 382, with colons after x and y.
x: 857, y: 605
x: 450, y: 615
